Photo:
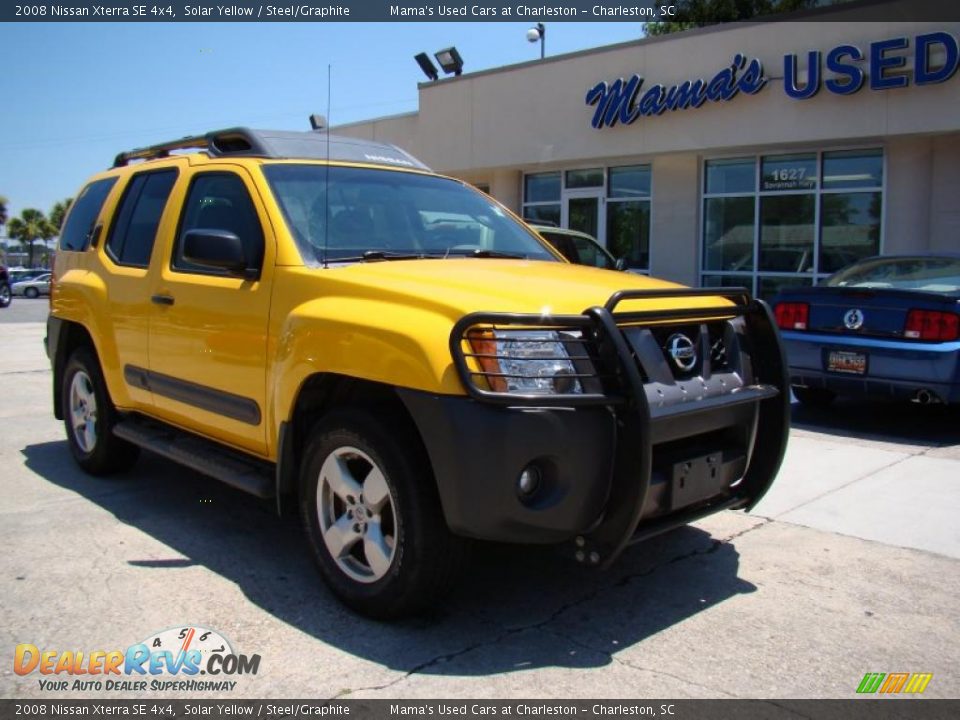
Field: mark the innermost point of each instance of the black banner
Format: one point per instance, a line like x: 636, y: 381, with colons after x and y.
x: 853, y: 709
x: 433, y: 11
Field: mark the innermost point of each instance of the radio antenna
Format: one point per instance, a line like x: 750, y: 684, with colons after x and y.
x: 326, y: 178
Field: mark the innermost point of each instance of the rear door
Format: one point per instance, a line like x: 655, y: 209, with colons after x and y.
x: 208, y: 330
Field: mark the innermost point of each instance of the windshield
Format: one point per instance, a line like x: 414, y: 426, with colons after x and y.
x: 927, y: 274
x: 363, y: 214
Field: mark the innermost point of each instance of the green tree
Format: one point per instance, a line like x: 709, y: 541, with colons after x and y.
x: 32, y: 225
x: 699, y: 13
x: 59, y: 212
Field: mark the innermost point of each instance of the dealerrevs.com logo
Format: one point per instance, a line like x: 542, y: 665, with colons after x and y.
x: 190, y: 658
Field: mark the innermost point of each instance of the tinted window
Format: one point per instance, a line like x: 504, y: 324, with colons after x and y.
x: 135, y: 228
x: 220, y: 201
x: 83, y: 214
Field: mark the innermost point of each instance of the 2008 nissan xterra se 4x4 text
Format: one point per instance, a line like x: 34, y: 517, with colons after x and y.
x: 324, y: 320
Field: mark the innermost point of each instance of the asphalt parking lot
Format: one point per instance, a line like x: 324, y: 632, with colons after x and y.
x: 850, y: 565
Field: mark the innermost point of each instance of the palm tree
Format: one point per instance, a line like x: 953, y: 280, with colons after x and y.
x: 59, y: 212
x: 32, y: 225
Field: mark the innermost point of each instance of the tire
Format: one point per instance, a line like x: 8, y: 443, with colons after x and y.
x: 814, y: 397
x: 31, y: 293
x: 6, y: 297
x: 372, y: 516
x: 89, y: 417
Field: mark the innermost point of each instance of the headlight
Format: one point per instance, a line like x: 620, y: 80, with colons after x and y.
x: 527, y: 362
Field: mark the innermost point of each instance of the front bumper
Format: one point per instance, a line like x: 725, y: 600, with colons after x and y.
x: 895, y: 370
x: 646, y: 453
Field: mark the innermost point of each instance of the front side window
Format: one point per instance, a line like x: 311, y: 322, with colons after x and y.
x: 348, y: 214
x: 83, y: 214
x: 220, y: 201
x: 135, y: 229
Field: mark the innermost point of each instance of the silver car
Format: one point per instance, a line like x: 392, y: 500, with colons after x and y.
x: 32, y: 288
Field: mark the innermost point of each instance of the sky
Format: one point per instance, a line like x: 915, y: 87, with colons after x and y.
x: 76, y: 94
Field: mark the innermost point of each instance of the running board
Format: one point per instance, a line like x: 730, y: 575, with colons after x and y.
x: 229, y: 466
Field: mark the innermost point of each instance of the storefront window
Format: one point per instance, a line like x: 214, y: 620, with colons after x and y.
x: 542, y: 187
x: 728, y: 233
x: 788, y: 172
x: 810, y: 215
x: 629, y: 183
x: 628, y: 214
x: 628, y: 232
x: 736, y: 175
x: 541, y: 197
x: 584, y: 178
x: 852, y: 169
x: 850, y: 228
x: 786, y: 233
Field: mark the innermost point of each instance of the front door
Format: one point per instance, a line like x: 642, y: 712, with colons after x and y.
x: 208, y: 332
x: 583, y: 211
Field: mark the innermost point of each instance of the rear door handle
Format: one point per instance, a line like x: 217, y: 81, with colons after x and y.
x: 161, y: 300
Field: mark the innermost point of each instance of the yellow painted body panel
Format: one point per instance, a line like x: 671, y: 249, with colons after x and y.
x: 387, y: 322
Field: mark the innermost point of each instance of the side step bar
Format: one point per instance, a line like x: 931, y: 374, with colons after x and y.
x: 229, y: 466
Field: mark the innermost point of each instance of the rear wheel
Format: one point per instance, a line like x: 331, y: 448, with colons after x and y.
x: 814, y: 397
x: 5, y: 295
x: 32, y: 293
x: 89, y: 417
x: 372, y: 516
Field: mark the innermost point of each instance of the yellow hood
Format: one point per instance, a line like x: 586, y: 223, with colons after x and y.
x: 458, y: 286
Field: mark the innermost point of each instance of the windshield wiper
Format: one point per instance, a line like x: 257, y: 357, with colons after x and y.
x: 371, y: 255
x: 480, y: 253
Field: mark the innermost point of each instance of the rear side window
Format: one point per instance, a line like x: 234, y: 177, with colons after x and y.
x: 220, y: 201
x: 135, y: 228
x: 76, y: 231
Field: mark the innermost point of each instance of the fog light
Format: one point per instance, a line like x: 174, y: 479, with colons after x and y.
x: 529, y: 481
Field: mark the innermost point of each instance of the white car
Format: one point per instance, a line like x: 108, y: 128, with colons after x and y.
x: 32, y: 288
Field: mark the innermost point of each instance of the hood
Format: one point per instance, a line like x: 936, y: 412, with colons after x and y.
x: 459, y: 286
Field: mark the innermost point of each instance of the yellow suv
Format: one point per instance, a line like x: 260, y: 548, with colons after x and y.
x: 324, y: 321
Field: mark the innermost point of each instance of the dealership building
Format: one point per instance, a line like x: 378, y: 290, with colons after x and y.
x: 762, y: 154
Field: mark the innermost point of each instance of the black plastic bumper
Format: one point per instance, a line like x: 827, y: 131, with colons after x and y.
x: 639, y: 451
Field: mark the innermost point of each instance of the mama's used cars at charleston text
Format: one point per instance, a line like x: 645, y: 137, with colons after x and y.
x: 323, y: 320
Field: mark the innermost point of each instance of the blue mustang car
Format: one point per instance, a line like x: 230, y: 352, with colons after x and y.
x: 884, y: 327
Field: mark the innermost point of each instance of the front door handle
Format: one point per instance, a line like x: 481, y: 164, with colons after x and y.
x: 161, y: 300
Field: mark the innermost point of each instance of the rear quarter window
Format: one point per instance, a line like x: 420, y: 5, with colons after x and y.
x: 83, y: 214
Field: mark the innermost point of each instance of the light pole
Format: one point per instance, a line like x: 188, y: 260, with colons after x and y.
x: 538, y: 32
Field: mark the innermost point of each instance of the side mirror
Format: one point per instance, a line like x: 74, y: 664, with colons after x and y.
x: 621, y: 263
x: 220, y: 249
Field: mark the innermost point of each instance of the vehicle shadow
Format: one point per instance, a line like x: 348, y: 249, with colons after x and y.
x: 508, y: 593
x: 900, y: 422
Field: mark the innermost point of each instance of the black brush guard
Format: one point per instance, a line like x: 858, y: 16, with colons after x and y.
x: 622, y: 374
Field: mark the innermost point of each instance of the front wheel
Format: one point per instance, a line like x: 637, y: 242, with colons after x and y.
x: 89, y: 417
x: 5, y: 295
x: 32, y: 293
x: 372, y: 516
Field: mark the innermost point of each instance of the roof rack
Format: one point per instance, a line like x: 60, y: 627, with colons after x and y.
x: 279, y: 144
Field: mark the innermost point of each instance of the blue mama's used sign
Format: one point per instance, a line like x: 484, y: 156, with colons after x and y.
x: 624, y: 101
